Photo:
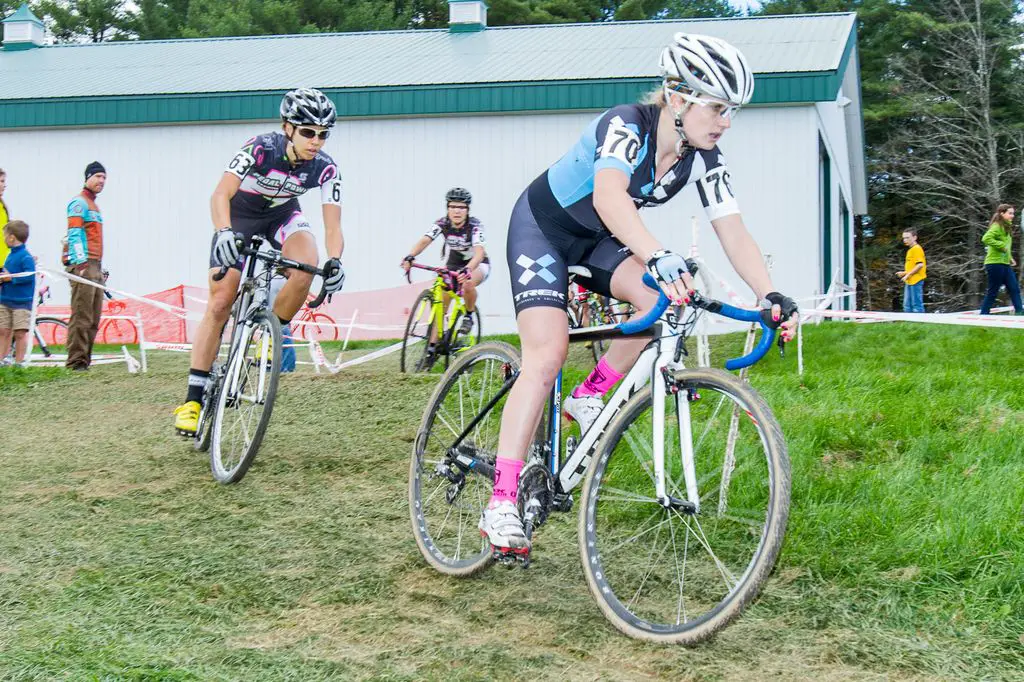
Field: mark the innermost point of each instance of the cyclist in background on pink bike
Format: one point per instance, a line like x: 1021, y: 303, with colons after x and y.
x: 464, y: 241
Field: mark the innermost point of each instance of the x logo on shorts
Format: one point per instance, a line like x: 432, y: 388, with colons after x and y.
x: 527, y: 264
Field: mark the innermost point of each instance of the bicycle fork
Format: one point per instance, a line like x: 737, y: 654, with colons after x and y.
x: 662, y: 387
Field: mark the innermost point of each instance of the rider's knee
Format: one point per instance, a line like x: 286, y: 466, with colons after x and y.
x: 303, y: 279
x: 219, y: 305
x: 544, y: 366
x: 643, y: 301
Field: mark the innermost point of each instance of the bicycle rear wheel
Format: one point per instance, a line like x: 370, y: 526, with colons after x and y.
x: 446, y: 500
x: 418, y: 329
x: 51, y: 331
x: 673, y: 575
x: 245, y: 400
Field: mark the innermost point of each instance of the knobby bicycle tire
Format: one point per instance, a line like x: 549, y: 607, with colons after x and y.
x: 406, y: 363
x: 426, y: 487
x: 626, y: 506
x: 235, y: 364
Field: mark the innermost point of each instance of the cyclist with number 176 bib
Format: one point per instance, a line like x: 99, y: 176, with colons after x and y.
x: 258, y: 194
x: 584, y: 210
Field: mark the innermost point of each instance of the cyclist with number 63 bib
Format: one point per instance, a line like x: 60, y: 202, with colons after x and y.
x: 584, y: 211
x: 258, y: 194
x: 464, y: 241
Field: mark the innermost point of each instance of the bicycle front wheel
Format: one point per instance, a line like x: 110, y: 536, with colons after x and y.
x: 461, y: 342
x: 245, y: 399
x: 448, y: 489
x: 675, y: 574
x: 418, y: 329
x: 201, y: 441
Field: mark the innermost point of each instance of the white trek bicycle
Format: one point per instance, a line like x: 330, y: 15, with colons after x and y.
x: 685, y: 475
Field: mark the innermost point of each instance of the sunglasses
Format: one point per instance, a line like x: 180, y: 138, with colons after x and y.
x: 721, y: 108
x: 464, y: 207
x: 309, y: 133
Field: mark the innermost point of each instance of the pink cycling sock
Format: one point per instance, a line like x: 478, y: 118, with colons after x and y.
x: 600, y: 381
x: 506, y: 479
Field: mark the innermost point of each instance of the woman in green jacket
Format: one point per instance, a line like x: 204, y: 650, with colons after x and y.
x: 999, y: 262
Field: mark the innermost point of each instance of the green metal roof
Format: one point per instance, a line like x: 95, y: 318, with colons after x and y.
x: 399, y: 73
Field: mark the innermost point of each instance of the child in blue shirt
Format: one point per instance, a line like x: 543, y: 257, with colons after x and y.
x: 16, y: 292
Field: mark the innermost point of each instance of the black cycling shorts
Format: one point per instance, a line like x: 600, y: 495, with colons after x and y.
x: 276, y: 227
x: 540, y: 252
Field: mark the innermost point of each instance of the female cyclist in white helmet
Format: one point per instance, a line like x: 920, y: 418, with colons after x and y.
x: 583, y: 210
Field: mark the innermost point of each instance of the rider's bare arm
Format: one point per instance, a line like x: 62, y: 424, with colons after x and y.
x: 334, y: 239
x: 618, y: 212
x: 220, y: 202
x: 743, y: 253
x: 478, y: 257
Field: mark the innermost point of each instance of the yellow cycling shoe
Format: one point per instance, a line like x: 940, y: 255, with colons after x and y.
x: 259, y: 350
x: 186, y: 418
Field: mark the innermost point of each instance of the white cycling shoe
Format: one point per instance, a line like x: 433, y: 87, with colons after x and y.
x: 501, y: 525
x: 583, y: 410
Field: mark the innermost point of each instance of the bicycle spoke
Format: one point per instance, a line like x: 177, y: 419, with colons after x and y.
x: 727, y: 575
x: 638, y: 443
x: 630, y: 540
x: 619, y: 495
x: 675, y: 574
x: 650, y: 569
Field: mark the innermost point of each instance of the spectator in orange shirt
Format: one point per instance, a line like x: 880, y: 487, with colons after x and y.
x: 84, y: 258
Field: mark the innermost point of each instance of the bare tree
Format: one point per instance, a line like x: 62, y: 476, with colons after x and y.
x: 956, y: 156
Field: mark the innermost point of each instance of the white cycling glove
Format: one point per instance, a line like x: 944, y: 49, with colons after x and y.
x: 225, y: 248
x: 666, y: 266
x: 334, y: 276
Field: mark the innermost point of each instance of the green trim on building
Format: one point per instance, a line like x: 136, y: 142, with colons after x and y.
x: 473, y: 27
x: 825, y: 189
x: 12, y: 46
x: 404, y: 101
x: 844, y: 223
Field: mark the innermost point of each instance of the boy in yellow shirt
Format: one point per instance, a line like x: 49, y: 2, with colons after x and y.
x: 913, y: 274
x: 4, y: 216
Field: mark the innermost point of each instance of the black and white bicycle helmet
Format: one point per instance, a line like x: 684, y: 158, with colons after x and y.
x: 308, y: 107
x: 460, y: 194
x: 707, y: 66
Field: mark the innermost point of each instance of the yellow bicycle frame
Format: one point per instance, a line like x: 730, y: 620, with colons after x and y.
x: 456, y: 310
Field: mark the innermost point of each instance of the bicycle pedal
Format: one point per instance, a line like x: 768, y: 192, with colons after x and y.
x: 186, y: 434
x: 509, y: 557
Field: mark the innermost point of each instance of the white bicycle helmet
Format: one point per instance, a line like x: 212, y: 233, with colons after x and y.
x: 707, y: 66
x: 309, y: 107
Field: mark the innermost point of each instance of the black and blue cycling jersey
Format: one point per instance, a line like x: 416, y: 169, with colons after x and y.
x: 554, y: 224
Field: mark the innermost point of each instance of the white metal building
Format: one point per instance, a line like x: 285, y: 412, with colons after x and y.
x: 484, y: 108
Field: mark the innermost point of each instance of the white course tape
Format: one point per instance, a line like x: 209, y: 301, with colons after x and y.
x: 969, y: 319
x: 377, y: 354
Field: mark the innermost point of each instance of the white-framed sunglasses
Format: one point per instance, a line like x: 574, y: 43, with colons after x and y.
x: 723, y: 109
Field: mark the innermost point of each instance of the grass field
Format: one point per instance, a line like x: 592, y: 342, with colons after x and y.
x: 121, y: 559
